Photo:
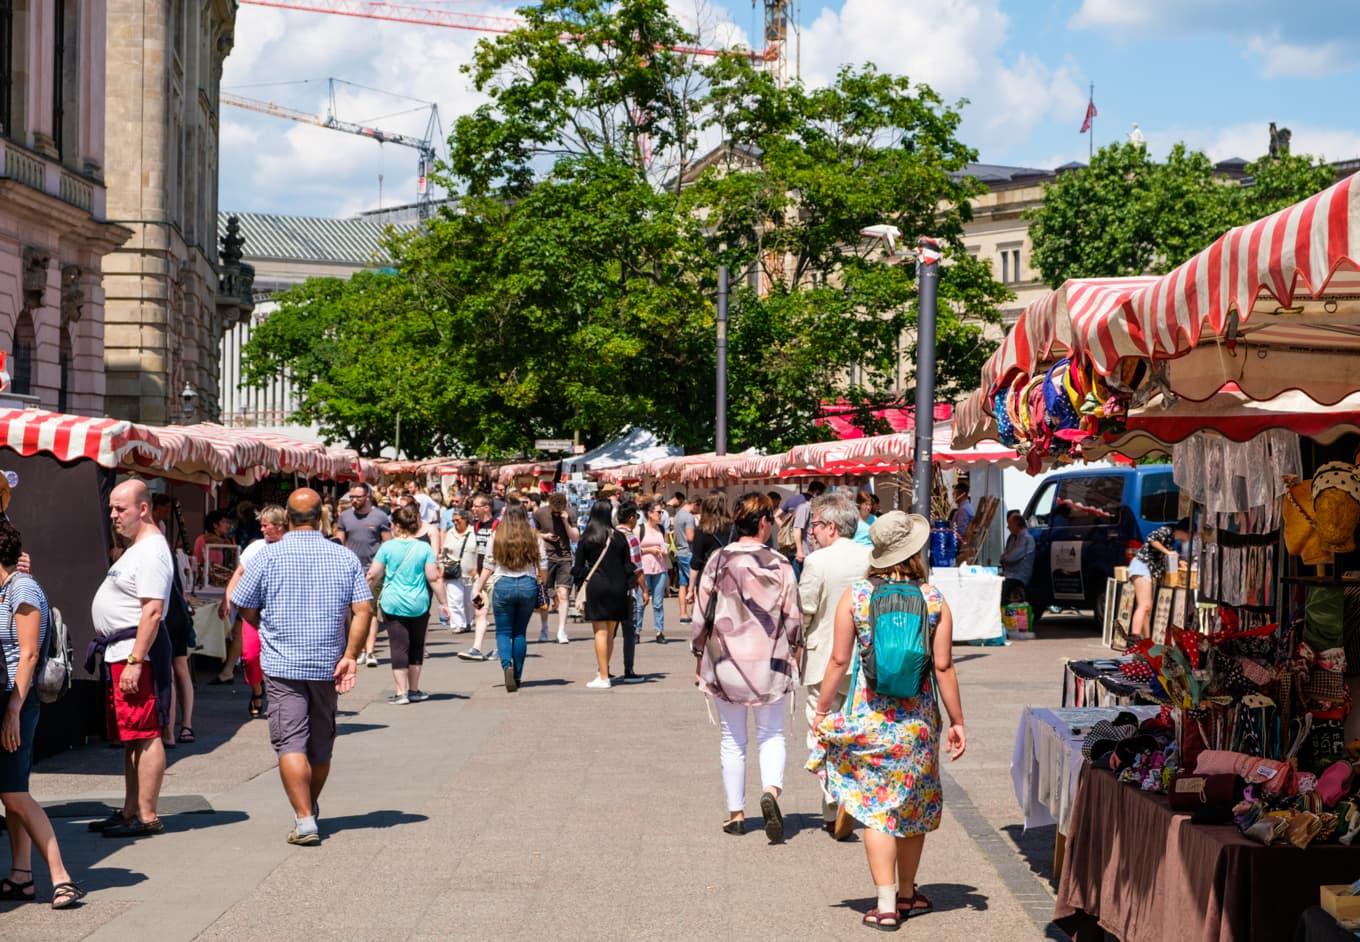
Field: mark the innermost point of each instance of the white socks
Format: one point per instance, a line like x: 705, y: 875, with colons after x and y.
x: 887, y: 898
x: 307, y: 825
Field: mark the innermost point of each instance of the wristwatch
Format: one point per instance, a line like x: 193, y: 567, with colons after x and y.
x: 133, y: 659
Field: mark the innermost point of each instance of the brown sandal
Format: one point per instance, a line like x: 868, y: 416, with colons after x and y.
x: 914, y: 905
x: 884, y: 922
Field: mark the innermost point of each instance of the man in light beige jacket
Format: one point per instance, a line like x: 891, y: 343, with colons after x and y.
x: 828, y: 571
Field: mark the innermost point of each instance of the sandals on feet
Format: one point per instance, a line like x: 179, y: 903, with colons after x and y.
x: 884, y: 922
x: 256, y: 706
x: 735, y: 826
x: 914, y: 905
x: 66, y: 895
x: 185, y: 735
x: 20, y: 892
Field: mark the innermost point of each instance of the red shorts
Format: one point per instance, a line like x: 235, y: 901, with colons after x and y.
x: 131, y: 717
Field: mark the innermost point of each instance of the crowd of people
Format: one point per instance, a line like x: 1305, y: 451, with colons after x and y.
x: 775, y: 593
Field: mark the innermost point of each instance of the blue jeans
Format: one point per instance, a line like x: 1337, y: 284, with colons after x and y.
x: 512, y: 605
x: 656, y: 588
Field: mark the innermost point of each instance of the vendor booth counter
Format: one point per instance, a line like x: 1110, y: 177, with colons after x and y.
x: 1136, y: 869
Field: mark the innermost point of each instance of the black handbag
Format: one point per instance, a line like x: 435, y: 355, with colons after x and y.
x: 453, y: 565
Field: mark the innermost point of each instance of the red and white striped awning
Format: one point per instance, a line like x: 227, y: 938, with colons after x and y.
x: 884, y: 454
x: 107, y: 442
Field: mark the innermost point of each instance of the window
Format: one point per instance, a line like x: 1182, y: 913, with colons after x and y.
x: 1089, y: 501
x: 24, y: 342
x: 6, y: 66
x: 1041, y: 505
x: 1161, y: 499
x: 65, y: 76
x: 58, y: 74
x: 1010, y: 263
x: 64, y: 362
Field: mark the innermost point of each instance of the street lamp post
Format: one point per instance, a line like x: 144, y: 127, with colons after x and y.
x: 720, y: 432
x: 927, y: 297
x: 927, y: 258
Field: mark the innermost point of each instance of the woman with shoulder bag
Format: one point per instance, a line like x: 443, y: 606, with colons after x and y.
x: 24, y: 626
x: 458, y: 560
x: 748, y: 643
x: 605, y: 573
x: 879, y: 753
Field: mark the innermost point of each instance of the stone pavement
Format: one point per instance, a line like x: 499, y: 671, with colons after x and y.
x: 558, y: 812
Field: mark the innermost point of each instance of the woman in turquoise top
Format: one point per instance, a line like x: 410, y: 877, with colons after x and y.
x: 865, y: 502
x: 407, y: 570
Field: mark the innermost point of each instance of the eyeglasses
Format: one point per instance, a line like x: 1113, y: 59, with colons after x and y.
x: 818, y: 523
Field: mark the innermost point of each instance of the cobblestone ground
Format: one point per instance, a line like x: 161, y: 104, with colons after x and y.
x: 557, y: 812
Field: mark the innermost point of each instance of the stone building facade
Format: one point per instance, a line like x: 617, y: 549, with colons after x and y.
x: 169, y: 300
x: 54, y: 235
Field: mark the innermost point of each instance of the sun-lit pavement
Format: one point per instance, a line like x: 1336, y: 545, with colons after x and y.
x: 557, y: 812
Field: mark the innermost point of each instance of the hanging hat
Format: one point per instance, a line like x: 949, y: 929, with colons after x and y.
x: 1339, y: 475
x: 897, y: 536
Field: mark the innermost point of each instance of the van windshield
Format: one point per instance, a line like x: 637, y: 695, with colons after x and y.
x: 1087, y: 501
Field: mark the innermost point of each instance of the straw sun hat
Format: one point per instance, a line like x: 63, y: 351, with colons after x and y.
x: 897, y: 536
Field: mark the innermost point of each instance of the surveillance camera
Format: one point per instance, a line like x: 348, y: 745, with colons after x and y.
x: 889, y: 234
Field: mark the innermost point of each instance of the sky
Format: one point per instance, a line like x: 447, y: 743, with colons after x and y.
x: 1210, y: 73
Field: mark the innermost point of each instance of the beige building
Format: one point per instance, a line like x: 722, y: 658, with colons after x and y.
x: 170, y: 295
x: 53, y: 229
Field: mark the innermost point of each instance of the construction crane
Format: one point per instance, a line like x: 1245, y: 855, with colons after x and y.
x: 776, y: 12
x: 425, y: 145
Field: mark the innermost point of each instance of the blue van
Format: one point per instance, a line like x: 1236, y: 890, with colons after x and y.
x: 1086, y: 522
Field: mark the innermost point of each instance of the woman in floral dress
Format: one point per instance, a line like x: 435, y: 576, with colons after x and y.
x: 879, y: 754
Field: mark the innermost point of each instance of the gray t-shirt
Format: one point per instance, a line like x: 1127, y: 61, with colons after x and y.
x: 363, y: 535
x: 800, y: 522
x: 684, y: 520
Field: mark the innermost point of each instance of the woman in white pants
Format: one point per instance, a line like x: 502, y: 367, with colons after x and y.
x: 460, y: 544
x: 748, y: 640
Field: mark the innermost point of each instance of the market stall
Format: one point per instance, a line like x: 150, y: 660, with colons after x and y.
x: 1224, y: 814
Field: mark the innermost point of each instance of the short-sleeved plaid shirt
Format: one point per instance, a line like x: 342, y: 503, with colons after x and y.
x: 303, y: 585
x: 634, y: 545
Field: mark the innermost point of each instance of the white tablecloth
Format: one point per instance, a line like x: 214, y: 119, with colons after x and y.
x: 1046, y: 762
x: 974, y: 598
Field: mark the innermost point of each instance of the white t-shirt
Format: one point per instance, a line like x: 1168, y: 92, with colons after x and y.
x: 145, y: 571
x: 251, y: 551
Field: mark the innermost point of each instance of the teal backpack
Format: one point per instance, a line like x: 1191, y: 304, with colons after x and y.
x: 899, y: 663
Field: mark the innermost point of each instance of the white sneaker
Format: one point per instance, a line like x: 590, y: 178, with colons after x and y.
x: 599, y: 683
x: 562, y: 637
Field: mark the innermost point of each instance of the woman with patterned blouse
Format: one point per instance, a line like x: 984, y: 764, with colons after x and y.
x: 748, y: 640
x: 1147, y: 568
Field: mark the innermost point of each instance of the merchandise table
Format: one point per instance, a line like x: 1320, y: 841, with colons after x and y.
x: 974, y: 598
x: 1141, y: 872
x: 1046, y: 763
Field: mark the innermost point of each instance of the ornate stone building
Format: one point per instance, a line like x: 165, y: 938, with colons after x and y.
x: 169, y: 297
x: 53, y: 231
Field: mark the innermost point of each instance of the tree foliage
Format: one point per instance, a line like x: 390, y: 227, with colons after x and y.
x: 1126, y: 214
x: 572, y: 291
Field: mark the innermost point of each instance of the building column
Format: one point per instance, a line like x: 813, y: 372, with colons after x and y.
x: 41, y: 40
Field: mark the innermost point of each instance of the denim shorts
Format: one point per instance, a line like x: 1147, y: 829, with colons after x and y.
x: 1139, y: 568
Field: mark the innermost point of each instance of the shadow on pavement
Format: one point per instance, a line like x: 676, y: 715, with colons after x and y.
x: 109, y: 878
x: 344, y: 729
x: 372, y: 821
x: 950, y: 896
x: 447, y: 696
x: 1036, y: 848
x: 960, y: 658
x: 549, y: 682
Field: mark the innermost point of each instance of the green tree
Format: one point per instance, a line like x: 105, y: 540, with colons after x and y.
x: 1126, y: 214
x: 573, y: 289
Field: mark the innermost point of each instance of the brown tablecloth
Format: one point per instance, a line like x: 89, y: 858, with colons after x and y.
x: 1146, y: 874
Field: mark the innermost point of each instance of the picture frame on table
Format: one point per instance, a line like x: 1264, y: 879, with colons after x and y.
x: 1108, y: 636
x: 1161, y: 612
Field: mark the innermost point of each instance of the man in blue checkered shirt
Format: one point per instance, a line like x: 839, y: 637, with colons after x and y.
x: 300, y: 591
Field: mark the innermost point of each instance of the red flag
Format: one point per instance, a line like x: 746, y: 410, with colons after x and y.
x: 1090, y: 113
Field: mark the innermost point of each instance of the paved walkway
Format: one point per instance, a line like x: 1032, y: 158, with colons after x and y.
x: 558, y: 812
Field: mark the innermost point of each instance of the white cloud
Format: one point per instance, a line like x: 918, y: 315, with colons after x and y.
x: 1113, y: 14
x: 274, y: 165
x: 958, y: 52
x: 1279, y: 59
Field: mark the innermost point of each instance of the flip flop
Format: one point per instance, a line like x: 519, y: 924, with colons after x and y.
x: 185, y: 735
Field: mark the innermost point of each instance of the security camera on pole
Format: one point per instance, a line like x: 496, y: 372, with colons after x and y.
x: 927, y: 258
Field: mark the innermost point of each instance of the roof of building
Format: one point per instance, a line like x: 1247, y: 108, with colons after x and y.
x: 999, y: 173
x: 311, y: 239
